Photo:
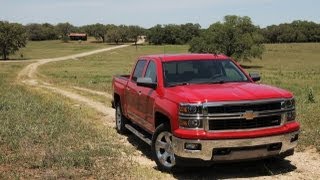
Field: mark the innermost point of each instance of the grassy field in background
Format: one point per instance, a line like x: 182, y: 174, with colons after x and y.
x: 295, y: 67
x: 45, y: 136
x: 55, y: 48
x: 96, y: 71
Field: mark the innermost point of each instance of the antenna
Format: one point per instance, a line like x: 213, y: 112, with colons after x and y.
x: 164, y: 50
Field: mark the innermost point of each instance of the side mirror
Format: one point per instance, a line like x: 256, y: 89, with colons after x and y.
x: 255, y: 76
x: 146, y: 82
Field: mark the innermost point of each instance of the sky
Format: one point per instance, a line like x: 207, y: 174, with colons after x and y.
x: 148, y: 13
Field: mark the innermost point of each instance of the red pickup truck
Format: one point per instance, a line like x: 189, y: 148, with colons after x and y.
x: 203, y: 107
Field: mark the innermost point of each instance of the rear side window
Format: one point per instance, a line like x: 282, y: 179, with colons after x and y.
x: 138, y: 69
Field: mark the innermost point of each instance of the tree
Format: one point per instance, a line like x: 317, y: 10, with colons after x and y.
x: 135, y: 32
x: 98, y: 31
x: 124, y: 33
x: 297, y: 31
x: 64, y: 29
x: 189, y: 31
x: 114, y: 34
x: 12, y: 38
x: 156, y: 35
x: 236, y: 37
x: 173, y: 33
x: 40, y: 32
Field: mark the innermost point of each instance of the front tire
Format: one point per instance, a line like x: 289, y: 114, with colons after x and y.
x: 162, y: 148
x: 121, y: 120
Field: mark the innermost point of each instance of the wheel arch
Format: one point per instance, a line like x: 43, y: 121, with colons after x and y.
x: 116, y: 99
x: 160, y: 118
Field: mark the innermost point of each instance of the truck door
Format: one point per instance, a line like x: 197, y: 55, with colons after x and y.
x: 131, y: 91
x: 147, y: 96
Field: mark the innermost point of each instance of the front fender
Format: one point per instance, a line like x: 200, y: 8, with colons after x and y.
x: 169, y: 109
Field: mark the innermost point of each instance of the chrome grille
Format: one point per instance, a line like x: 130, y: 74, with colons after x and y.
x: 259, y: 122
x: 244, y: 115
x: 244, y: 107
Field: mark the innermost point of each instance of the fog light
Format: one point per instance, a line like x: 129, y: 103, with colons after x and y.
x: 221, y: 151
x: 274, y: 147
x: 192, y: 146
x: 194, y: 123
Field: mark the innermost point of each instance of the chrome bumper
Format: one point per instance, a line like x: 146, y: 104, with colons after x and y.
x: 238, y: 149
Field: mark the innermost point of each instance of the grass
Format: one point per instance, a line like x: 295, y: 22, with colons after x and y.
x: 45, y: 136
x: 295, y: 67
x: 100, y: 68
x: 55, y: 48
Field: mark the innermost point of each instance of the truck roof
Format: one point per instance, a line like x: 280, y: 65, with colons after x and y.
x: 181, y: 57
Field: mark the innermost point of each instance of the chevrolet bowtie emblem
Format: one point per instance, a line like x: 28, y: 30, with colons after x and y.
x: 249, y: 115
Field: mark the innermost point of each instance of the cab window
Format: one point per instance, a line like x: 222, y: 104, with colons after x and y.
x: 138, y: 70
x: 151, y: 71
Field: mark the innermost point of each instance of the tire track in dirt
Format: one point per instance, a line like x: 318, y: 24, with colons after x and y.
x: 28, y: 76
x: 303, y: 165
x: 93, y: 92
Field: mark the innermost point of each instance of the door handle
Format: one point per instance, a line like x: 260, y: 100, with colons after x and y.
x: 139, y: 93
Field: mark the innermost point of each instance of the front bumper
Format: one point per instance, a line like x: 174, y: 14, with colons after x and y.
x: 236, y: 149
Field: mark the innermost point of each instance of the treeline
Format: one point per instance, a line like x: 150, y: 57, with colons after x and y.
x: 159, y: 34
x: 297, y: 31
x: 173, y: 34
x: 105, y: 33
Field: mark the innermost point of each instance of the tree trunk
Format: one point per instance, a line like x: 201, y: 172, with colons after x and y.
x: 4, y: 54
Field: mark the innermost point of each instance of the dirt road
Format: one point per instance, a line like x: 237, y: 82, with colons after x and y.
x: 302, y: 165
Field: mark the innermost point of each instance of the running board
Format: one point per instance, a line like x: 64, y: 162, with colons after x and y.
x: 139, y: 134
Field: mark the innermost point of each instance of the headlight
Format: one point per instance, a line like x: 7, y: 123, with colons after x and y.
x: 190, y: 109
x: 288, y: 104
x: 190, y: 123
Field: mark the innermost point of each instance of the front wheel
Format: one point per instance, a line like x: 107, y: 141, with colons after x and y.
x: 162, y: 148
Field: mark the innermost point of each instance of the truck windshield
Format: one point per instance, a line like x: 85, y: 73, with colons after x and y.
x: 178, y: 73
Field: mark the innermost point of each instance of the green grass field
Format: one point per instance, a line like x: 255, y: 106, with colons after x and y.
x: 46, y: 136
x: 96, y: 71
x: 295, y: 67
x: 56, y: 48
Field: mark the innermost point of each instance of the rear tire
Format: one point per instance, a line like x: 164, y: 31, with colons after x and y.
x: 162, y: 149
x: 121, y: 120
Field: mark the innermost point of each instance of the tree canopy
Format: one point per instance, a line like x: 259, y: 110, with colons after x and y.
x: 64, y: 29
x: 297, y: 31
x: 236, y: 37
x: 40, y: 32
x: 12, y: 37
x: 98, y: 31
x: 173, y: 34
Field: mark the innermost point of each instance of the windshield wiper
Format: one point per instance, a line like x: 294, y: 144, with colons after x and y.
x: 220, y: 82
x: 178, y: 84
x: 214, y: 82
x: 217, y: 82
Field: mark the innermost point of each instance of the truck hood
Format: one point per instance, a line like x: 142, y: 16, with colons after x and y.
x: 224, y: 92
